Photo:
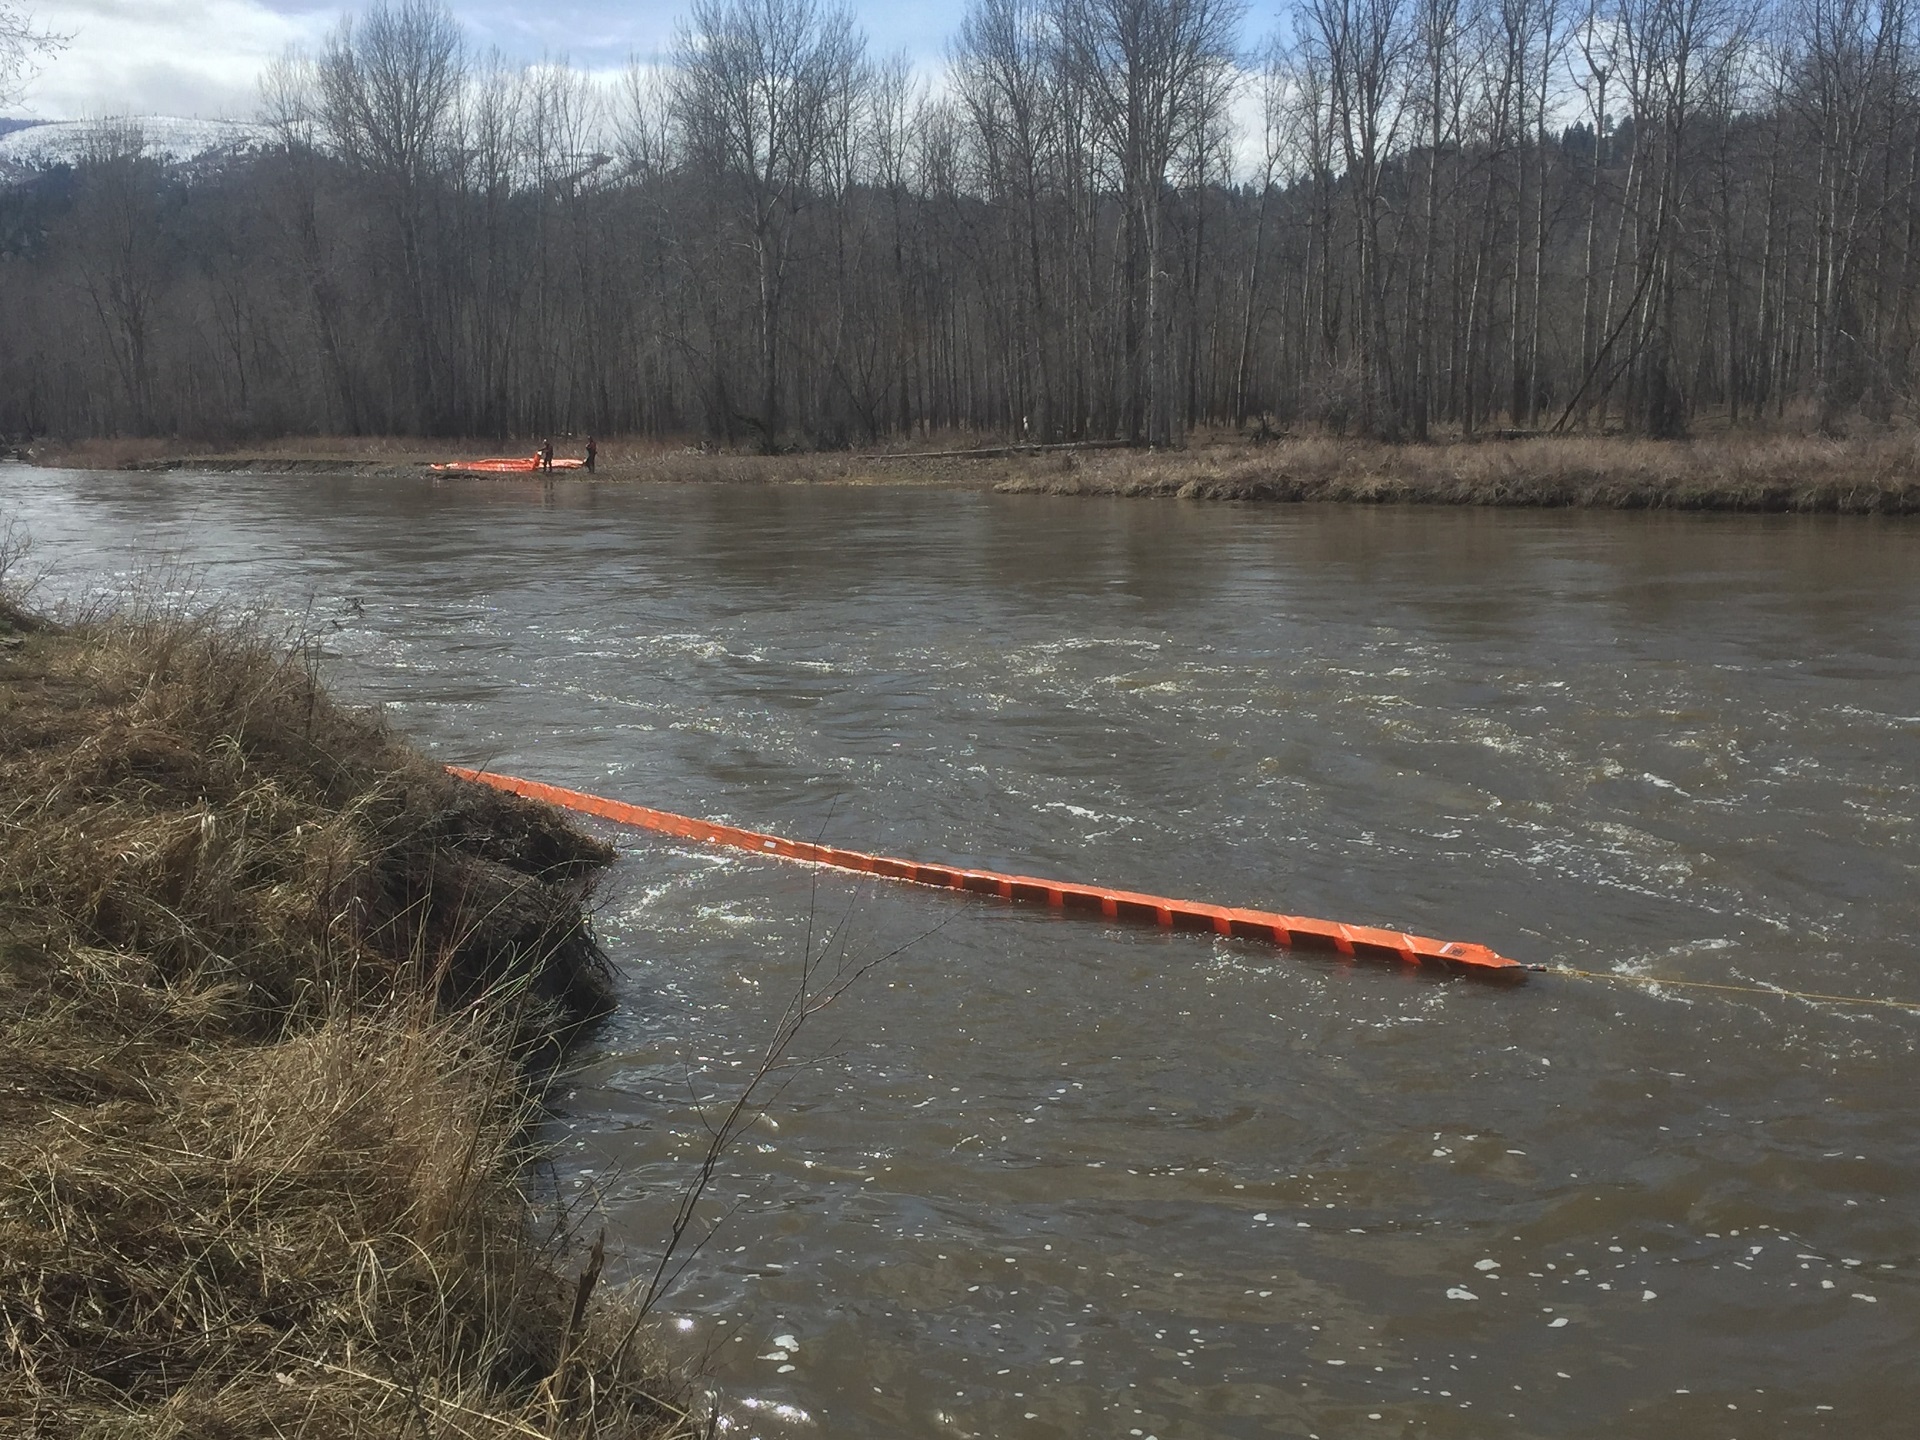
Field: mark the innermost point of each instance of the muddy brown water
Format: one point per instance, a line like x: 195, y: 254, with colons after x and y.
x: 1043, y: 1177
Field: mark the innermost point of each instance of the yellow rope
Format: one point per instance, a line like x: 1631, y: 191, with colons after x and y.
x: 1652, y: 981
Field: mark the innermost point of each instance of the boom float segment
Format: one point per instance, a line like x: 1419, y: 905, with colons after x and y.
x: 1291, y: 931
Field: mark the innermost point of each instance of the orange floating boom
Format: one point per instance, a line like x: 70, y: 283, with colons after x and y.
x: 507, y: 465
x: 1292, y: 931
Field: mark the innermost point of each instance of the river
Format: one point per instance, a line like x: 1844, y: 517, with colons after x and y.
x: 1042, y: 1177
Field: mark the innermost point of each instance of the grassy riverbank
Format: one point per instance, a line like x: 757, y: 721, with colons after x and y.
x: 1760, y: 473
x: 272, y: 987
x: 1871, y: 474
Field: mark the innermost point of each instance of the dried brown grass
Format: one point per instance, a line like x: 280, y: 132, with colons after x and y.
x: 1873, y: 474
x: 110, y: 453
x: 267, y: 983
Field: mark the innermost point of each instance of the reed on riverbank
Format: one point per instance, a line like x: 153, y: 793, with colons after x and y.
x: 270, y: 987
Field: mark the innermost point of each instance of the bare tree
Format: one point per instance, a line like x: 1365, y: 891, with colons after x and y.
x: 1158, y: 72
x: 1367, y: 46
x: 291, y: 190
x: 1278, y: 147
x: 1003, y: 65
x: 22, y: 46
x: 114, y: 238
x: 756, y: 85
x: 389, y: 85
x: 1849, y: 98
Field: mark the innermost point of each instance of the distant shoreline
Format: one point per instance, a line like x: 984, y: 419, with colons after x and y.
x: 1766, y: 474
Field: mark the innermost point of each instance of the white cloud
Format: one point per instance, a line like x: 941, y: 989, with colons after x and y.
x: 593, y: 33
x: 168, y: 57
x: 204, y: 57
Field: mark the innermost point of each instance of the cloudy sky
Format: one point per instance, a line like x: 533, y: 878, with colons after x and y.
x: 202, y: 57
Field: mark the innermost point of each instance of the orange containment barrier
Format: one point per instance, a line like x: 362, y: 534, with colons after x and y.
x: 1292, y: 931
x: 506, y: 465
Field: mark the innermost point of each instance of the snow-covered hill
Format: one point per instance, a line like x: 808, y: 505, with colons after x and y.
x: 170, y: 139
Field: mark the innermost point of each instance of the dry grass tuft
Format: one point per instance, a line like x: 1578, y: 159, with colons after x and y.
x: 267, y: 979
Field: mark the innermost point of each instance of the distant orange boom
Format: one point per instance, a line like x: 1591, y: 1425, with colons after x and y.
x: 507, y: 465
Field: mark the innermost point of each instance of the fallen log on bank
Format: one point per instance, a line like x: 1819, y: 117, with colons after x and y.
x: 1002, y: 452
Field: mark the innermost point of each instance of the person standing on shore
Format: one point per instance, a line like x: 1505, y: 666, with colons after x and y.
x: 593, y: 451
x: 546, y: 455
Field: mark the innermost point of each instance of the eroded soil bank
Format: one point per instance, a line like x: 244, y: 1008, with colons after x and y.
x: 276, y: 997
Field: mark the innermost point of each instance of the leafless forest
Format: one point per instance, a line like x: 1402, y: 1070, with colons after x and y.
x: 1400, y: 218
